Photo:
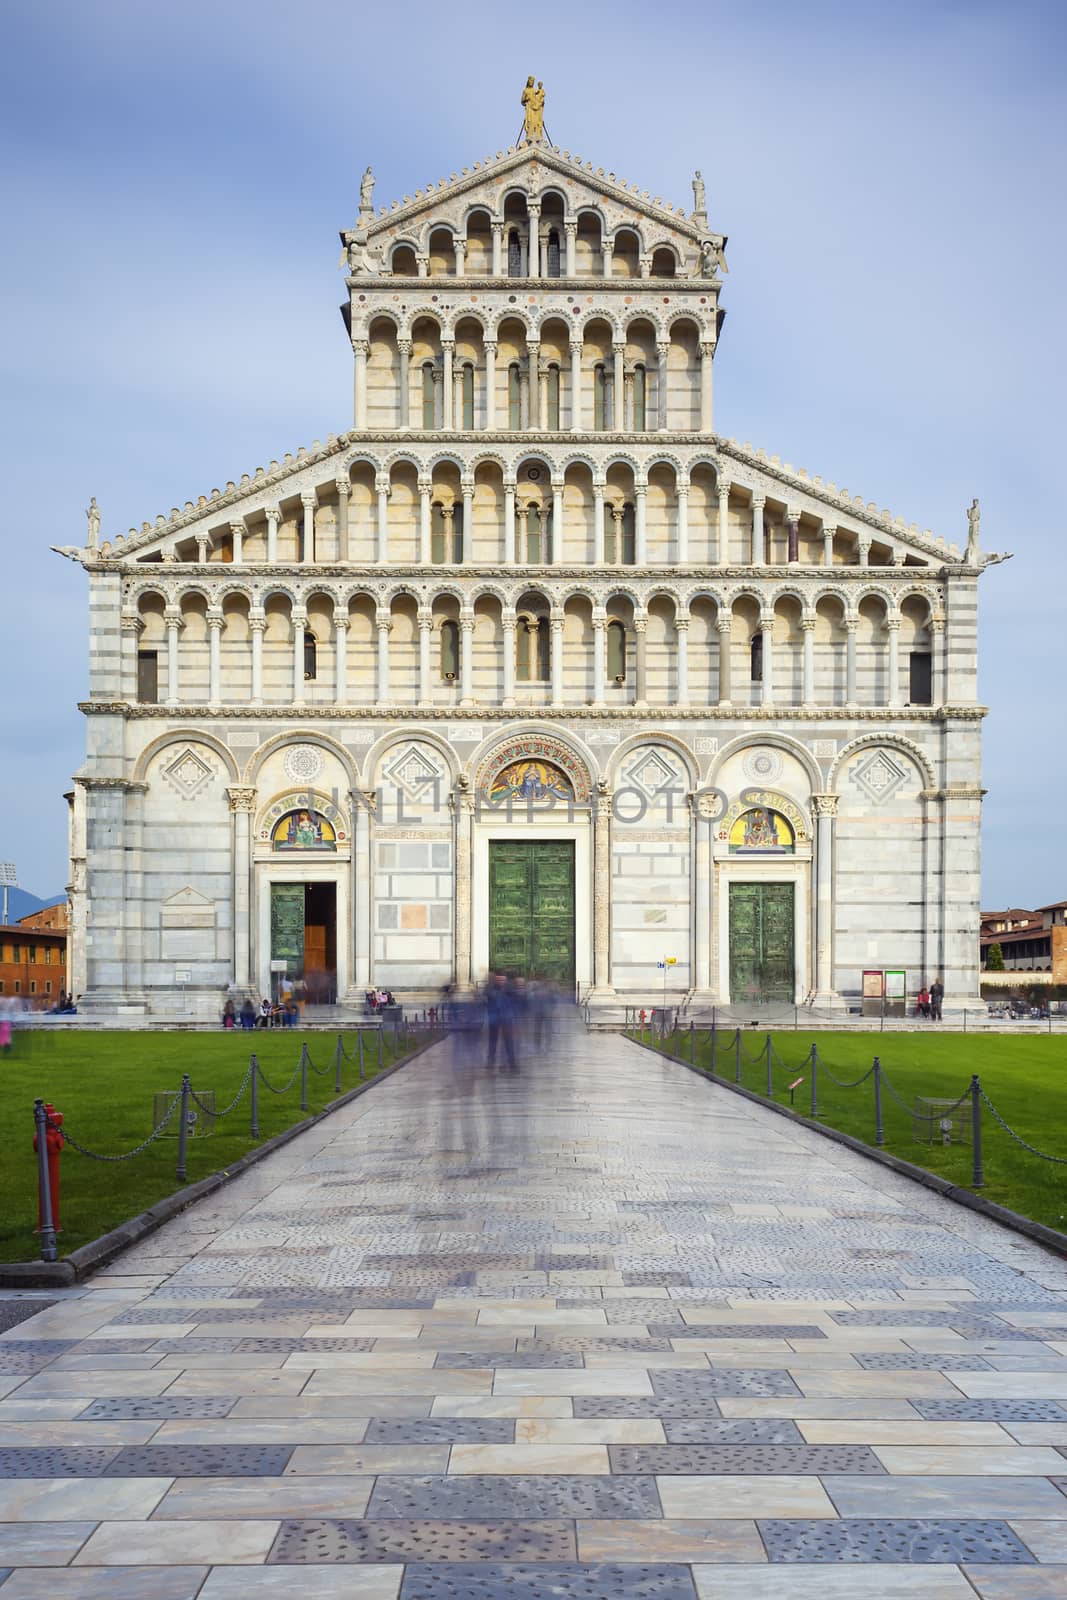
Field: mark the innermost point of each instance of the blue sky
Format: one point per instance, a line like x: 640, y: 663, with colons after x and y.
x: 890, y: 177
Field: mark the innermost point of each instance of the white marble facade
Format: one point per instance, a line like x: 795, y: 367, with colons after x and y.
x: 532, y: 543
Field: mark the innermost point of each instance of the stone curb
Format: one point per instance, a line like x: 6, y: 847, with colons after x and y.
x: 1050, y: 1238
x: 88, y: 1258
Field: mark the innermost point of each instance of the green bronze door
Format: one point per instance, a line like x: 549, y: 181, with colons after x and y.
x: 531, y: 908
x: 761, y: 942
x: 287, y: 926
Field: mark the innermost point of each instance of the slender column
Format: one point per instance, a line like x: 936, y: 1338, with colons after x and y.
x: 463, y: 812
x: 662, y: 351
x: 460, y: 247
x: 807, y: 625
x: 466, y: 660
x: 825, y: 807
x: 299, y: 622
x: 467, y: 531
x: 340, y: 653
x: 851, y: 625
x: 640, y: 525
x: 628, y: 422
x: 893, y: 652
x: 865, y: 552
x: 457, y: 397
x: 422, y: 263
x: 598, y: 524
x: 490, y: 385
x: 556, y: 663
x: 360, y: 879
x: 607, y: 250
x: 438, y: 406
x: 721, y: 554
x: 645, y: 266
x: 425, y: 523
x: 542, y: 395
x: 308, y: 553
x: 203, y: 544
x: 132, y: 628
x: 524, y: 400
x: 828, y: 531
x: 707, y: 352
x: 681, y: 630
x: 425, y: 622
x: 702, y: 899
x: 570, y: 231
x: 215, y: 620
x: 173, y: 618
x: 498, y: 249
x: 449, y: 386
x: 507, y: 627
x: 343, y: 487
x: 938, y: 687
x: 792, y: 528
x: 614, y: 557
x: 600, y: 624
x: 523, y: 536
x: 509, y: 524
x: 381, y: 484
x: 273, y: 518
x: 360, y: 351
x: 535, y: 240
x: 683, y: 524
x: 257, y: 623
x: 237, y: 534
x: 725, y: 626
x: 641, y: 652
x: 618, y: 387
x: 557, y: 524
x: 602, y: 894
x: 767, y: 630
x: 576, y: 385
x: 759, y: 547
x: 384, y: 625
x: 533, y: 417
x: 242, y: 805
x: 448, y: 517
x: 404, y: 382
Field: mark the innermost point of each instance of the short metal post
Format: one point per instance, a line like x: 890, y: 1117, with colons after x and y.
x: 255, y: 1098
x: 692, y: 1043
x: 814, y: 1081
x: 711, y: 1069
x: 304, y: 1077
x: 879, y: 1128
x: 359, y: 1042
x: 770, y: 1073
x: 338, y: 1058
x: 183, y: 1126
x: 674, y: 1036
x: 976, y: 1131
x: 737, y: 1056
x: 49, y: 1252
x: 396, y: 1039
x: 381, y: 1030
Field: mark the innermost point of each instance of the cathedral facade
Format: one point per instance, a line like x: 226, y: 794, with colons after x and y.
x: 530, y: 668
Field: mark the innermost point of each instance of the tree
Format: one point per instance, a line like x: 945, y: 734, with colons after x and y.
x: 994, y: 961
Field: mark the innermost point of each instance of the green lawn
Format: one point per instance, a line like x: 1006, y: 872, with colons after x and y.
x: 103, y: 1084
x: 1025, y: 1077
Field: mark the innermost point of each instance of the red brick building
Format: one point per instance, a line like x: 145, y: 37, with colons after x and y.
x: 33, y: 958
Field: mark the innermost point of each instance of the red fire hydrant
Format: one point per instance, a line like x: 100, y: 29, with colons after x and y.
x: 54, y: 1144
x: 644, y: 1016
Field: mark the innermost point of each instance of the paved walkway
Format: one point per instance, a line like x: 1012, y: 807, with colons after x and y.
x: 595, y: 1330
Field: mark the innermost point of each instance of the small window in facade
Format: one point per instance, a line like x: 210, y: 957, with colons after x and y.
x: 467, y: 391
x: 616, y: 652
x: 514, y: 397
x: 16, y: 952
x: 33, y: 985
x: 1, y: 985
x: 514, y: 254
x: 33, y: 955
x: 639, y: 399
x: 18, y: 986
x: 148, y: 677
x: 311, y: 655
x: 756, y: 658
x: 552, y: 265
x: 553, y: 397
x: 628, y: 554
x: 48, y: 988
x: 920, y: 678
x: 534, y: 554
x: 429, y: 397
x: 532, y: 650
x: 600, y: 394
x: 450, y: 650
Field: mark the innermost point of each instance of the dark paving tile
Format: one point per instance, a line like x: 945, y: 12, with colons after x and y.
x: 685, y: 1383
x: 655, y: 1280
x: 289, y: 1345
x: 793, y: 1460
x: 49, y: 1461
x: 22, y: 1364
x: 200, y: 1461
x: 49, y: 1348
x: 760, y: 1430
x: 12, y: 1312
x: 446, y: 1430
x: 740, y: 1330
x: 913, y: 1361
x: 990, y: 1410
x: 518, y: 1582
x: 594, y: 1405
x: 116, y: 1347
x: 164, y: 1407
x: 196, y: 1345
x: 507, y: 1358
x: 523, y: 1497
x: 398, y: 1539
x: 588, y: 1346
x: 892, y: 1539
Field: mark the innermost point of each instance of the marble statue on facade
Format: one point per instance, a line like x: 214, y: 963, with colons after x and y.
x: 974, y: 518
x: 533, y: 103
x: 700, y: 202
x: 92, y: 516
x: 366, y: 193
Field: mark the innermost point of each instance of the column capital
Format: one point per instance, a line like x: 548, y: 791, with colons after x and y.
x: 404, y: 346
x: 663, y: 347
x: 937, y: 624
x: 824, y: 805
x: 640, y: 490
x: 496, y: 227
x: 309, y: 498
x: 299, y: 616
x: 509, y: 622
x: 173, y: 618
x: 600, y: 619
x: 424, y: 618
x: 892, y: 623
x: 130, y: 622
x: 851, y: 624
x: 361, y: 347
x: 792, y: 514
x: 533, y: 346
x: 341, y: 620
x: 682, y: 491
x: 466, y: 622
x: 242, y: 798
x: 257, y: 621
x: 447, y: 343
x: 828, y: 527
x: 383, y: 622
x: 570, y: 227
x: 707, y: 349
x: 425, y: 485
x: 681, y: 624
x: 466, y: 486
x: 343, y: 486
x: 238, y: 526
x: 273, y: 513
x: 489, y: 345
x: 723, y: 488
x: 724, y: 624
x: 766, y: 624
x: 758, y: 502
x: 215, y: 617
x: 640, y: 624
x: 510, y: 484
x: 618, y: 347
x: 807, y: 624
x: 381, y: 483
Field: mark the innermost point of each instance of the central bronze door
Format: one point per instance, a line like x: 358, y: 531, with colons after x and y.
x: 762, y: 964
x: 531, y: 908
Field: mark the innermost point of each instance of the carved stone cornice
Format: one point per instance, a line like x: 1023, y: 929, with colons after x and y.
x: 242, y: 798
x: 407, y: 712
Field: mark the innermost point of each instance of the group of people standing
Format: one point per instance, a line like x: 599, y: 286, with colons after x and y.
x: 928, y: 1002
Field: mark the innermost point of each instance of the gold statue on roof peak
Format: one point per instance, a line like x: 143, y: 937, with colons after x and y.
x: 533, y: 105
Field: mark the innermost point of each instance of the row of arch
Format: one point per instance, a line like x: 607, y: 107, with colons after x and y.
x: 535, y: 321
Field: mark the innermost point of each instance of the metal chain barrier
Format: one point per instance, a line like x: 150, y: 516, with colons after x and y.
x: 1044, y: 1155
x: 262, y: 1076
x: 128, y: 1155
x: 854, y: 1083
x: 924, y: 1116
x: 208, y: 1112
